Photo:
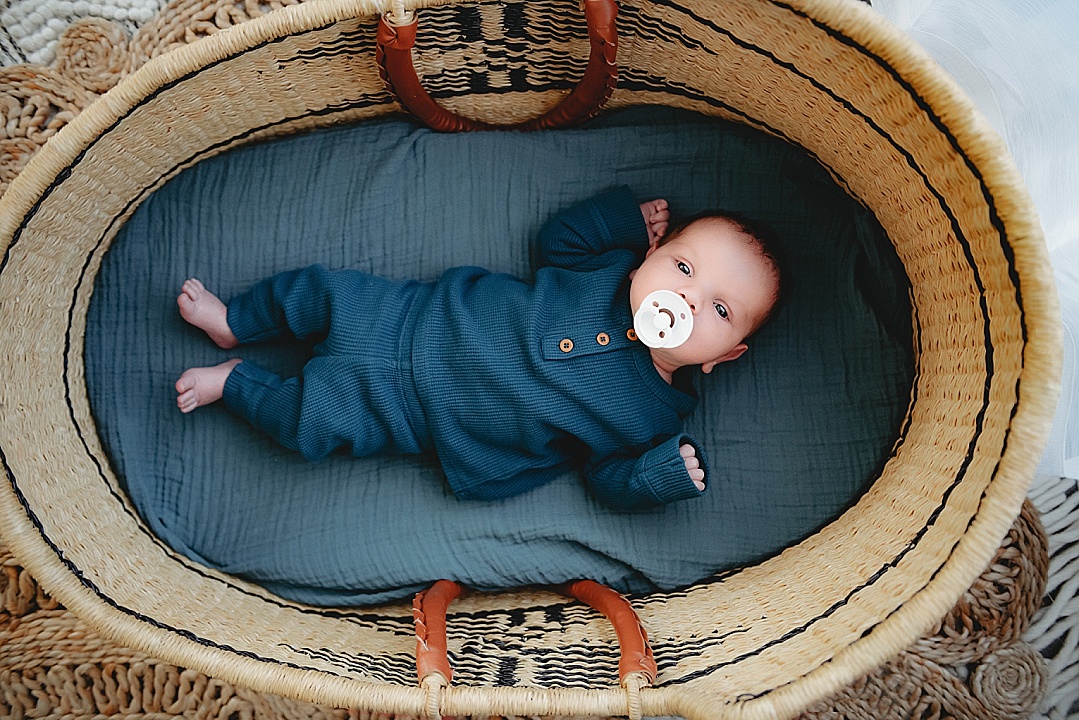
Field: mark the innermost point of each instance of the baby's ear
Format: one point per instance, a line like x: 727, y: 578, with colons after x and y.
x: 733, y: 354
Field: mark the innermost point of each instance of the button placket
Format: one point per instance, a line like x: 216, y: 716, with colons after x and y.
x: 572, y: 340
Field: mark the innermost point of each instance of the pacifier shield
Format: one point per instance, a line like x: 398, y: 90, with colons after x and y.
x: 664, y: 320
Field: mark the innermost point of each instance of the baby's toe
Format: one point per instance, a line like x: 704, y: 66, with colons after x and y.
x: 187, y: 401
x: 193, y: 288
x: 185, y: 383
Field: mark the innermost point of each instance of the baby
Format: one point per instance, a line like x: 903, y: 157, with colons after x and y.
x: 509, y: 381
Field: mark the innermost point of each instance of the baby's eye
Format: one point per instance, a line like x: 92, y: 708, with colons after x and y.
x: 683, y: 267
x: 722, y: 310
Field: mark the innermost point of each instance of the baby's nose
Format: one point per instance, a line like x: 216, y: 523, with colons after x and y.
x: 689, y: 301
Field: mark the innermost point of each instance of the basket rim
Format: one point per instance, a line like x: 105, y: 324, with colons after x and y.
x: 1031, y: 422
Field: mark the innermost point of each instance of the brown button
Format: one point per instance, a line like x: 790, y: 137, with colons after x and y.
x: 566, y: 345
x: 603, y: 338
x: 631, y: 334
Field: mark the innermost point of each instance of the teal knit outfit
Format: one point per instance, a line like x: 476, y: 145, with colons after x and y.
x: 510, y: 382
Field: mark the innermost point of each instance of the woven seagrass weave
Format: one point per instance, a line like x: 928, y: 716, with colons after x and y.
x: 56, y: 665
x: 764, y: 641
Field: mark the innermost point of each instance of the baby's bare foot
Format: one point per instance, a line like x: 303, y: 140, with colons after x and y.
x: 204, y: 310
x: 202, y: 385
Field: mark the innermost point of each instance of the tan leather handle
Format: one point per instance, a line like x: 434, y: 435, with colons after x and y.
x: 429, y: 616
x: 636, y: 666
x: 632, y: 638
x: 393, y: 54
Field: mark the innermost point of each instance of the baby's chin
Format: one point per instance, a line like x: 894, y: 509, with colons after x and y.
x: 687, y: 358
x: 671, y: 358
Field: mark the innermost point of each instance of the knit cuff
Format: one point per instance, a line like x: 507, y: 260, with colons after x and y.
x: 245, y: 320
x: 662, y: 471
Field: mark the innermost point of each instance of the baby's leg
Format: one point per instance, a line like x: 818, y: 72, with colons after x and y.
x: 204, y: 310
x: 202, y: 385
x: 299, y: 302
x: 270, y: 403
x: 275, y: 405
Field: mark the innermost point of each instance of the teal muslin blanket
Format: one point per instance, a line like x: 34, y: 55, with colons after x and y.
x: 795, y: 430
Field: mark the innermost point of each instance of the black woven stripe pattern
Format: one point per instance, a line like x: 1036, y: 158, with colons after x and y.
x: 499, y: 630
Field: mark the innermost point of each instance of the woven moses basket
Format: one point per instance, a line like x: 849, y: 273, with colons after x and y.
x: 759, y: 642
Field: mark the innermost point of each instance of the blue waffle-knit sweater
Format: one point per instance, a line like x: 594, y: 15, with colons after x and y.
x: 519, y: 380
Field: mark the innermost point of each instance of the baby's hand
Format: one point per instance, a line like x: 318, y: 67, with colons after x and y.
x: 656, y: 216
x: 693, y: 465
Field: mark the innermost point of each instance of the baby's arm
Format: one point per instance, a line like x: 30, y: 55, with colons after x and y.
x: 609, y: 221
x: 656, y: 218
x: 660, y: 475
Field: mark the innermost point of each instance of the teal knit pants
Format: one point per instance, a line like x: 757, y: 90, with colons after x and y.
x: 357, y: 391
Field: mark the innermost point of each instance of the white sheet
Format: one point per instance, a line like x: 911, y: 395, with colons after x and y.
x: 1019, y: 62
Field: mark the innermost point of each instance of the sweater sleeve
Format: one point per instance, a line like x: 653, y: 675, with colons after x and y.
x: 658, y: 476
x: 612, y: 220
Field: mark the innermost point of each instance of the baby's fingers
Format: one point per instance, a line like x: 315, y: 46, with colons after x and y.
x: 693, y: 465
x: 695, y: 474
x: 655, y: 210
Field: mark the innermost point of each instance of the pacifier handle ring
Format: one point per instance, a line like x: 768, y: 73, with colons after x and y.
x: 664, y: 319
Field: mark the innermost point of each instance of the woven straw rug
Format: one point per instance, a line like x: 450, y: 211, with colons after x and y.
x: 996, y: 656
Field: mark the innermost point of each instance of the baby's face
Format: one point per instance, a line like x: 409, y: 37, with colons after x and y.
x: 729, y: 286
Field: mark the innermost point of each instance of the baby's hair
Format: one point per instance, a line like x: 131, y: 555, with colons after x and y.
x: 760, y: 235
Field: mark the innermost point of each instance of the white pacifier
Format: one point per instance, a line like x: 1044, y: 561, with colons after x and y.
x: 664, y: 320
